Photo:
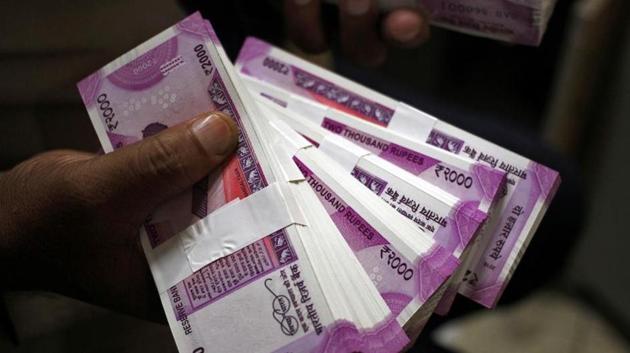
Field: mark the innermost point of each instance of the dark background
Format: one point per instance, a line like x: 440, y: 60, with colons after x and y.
x: 565, y: 103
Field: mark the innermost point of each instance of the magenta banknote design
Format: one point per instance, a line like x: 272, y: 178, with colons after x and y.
x: 272, y: 282
x: 515, y: 21
x: 529, y: 189
x: 398, y: 279
x: 479, y: 184
x: 161, y: 84
x: 454, y: 231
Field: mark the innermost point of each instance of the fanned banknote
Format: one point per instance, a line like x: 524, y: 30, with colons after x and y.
x: 160, y: 84
x: 529, y: 189
x: 457, y: 224
x: 437, y: 212
x: 343, y: 220
x: 407, y: 266
x: 239, y: 264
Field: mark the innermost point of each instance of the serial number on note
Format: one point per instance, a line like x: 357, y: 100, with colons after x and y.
x: 453, y: 176
x: 105, y: 107
x: 276, y: 66
x: 396, y: 263
x: 204, y: 59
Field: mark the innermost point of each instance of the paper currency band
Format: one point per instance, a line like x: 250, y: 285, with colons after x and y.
x: 346, y: 153
x: 405, y: 121
x: 225, y: 231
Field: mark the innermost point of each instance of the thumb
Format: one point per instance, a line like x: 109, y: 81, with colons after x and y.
x: 161, y: 166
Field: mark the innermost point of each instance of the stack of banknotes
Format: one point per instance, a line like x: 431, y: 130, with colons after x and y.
x: 514, y: 21
x: 342, y: 222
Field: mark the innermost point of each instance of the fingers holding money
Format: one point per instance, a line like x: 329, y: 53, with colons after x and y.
x: 76, y: 215
x: 363, y: 32
x: 169, y: 162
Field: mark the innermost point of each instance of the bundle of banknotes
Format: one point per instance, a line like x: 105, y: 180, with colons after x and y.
x: 514, y: 21
x: 344, y: 219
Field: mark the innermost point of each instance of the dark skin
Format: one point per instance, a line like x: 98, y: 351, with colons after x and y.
x: 363, y: 34
x: 69, y: 220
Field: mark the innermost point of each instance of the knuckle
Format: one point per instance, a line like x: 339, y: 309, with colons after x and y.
x: 159, y: 156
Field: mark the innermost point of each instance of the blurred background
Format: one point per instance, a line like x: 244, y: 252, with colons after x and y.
x: 565, y: 104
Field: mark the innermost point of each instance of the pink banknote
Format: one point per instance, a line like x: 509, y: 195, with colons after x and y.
x: 515, y: 21
x: 529, y: 189
x: 161, y: 84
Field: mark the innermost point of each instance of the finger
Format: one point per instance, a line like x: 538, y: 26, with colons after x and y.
x: 304, y: 27
x: 406, y: 27
x: 359, y: 36
x: 163, y: 165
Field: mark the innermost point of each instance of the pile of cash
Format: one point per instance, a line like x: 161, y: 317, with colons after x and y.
x: 342, y: 222
x: 514, y: 21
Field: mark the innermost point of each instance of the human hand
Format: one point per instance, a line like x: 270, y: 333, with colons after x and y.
x: 69, y: 220
x: 359, y: 28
